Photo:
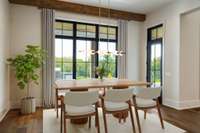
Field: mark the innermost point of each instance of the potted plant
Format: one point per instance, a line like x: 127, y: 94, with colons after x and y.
x: 26, y: 71
x: 103, y: 70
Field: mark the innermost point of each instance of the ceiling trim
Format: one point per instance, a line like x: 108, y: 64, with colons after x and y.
x: 82, y: 9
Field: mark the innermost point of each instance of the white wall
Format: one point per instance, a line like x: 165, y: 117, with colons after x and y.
x: 25, y: 29
x: 4, y: 54
x: 170, y: 17
x: 189, y: 59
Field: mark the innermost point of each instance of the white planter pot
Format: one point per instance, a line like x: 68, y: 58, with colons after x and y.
x: 28, y: 105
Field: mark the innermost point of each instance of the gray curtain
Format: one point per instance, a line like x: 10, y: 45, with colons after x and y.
x: 122, y: 45
x: 48, y: 67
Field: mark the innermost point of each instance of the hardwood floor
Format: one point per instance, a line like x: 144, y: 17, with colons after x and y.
x: 15, y: 123
x: 188, y: 120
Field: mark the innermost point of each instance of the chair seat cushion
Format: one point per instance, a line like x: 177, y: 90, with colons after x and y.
x: 79, y: 110
x: 145, y: 102
x: 115, y: 106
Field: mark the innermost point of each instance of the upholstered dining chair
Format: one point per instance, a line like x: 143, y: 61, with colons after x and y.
x: 59, y: 95
x: 76, y: 105
x: 144, y: 99
x: 117, y: 101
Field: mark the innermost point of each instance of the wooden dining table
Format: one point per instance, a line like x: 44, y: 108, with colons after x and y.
x: 84, y: 85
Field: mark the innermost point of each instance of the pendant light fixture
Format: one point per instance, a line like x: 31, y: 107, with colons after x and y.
x: 100, y: 52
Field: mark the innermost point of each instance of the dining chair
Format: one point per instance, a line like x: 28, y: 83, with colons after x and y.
x: 117, y: 101
x: 145, y: 99
x: 76, y: 105
x: 59, y: 95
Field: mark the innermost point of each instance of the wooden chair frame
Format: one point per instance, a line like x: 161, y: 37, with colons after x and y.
x: 145, y: 111
x: 65, y: 116
x: 114, y: 112
x: 57, y: 105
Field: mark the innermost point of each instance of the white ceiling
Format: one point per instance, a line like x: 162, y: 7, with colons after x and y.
x: 139, y: 6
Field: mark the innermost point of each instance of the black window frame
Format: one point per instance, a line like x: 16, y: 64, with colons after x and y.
x: 149, y: 43
x: 74, y: 37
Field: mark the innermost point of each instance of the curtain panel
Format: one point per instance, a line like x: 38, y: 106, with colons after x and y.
x: 122, y: 45
x: 48, y: 39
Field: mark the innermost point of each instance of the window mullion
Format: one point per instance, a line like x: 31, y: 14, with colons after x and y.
x: 74, y: 50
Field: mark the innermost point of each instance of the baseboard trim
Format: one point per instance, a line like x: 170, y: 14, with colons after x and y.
x: 189, y: 104
x: 4, y: 112
x: 182, y: 105
x: 16, y: 104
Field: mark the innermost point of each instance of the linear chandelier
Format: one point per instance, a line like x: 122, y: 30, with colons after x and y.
x: 101, y: 52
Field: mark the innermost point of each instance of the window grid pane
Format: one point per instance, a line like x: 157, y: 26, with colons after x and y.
x: 68, y: 29
x: 156, y: 33
x: 81, y: 30
x: 64, y: 28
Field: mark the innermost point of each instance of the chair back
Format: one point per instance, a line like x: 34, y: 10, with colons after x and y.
x: 118, y: 95
x: 147, y: 93
x: 81, y: 98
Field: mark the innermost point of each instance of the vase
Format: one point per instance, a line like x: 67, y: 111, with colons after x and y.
x: 28, y: 105
x: 101, y: 77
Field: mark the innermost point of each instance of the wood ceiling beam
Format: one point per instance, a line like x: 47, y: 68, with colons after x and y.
x: 81, y: 9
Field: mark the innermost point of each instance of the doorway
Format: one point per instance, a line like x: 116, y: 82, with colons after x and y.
x: 155, y: 56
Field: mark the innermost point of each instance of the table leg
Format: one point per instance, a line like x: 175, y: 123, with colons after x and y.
x: 57, y: 103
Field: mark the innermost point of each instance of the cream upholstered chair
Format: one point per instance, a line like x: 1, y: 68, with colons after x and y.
x: 117, y: 101
x: 59, y: 95
x: 80, y: 105
x: 144, y: 99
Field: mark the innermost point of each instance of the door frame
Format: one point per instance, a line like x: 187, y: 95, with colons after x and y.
x: 150, y: 42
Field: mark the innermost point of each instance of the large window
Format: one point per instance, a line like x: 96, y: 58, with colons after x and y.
x: 74, y: 44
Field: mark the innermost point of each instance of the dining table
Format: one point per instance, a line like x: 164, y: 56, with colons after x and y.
x: 89, y: 84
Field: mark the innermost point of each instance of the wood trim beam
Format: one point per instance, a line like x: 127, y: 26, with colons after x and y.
x: 81, y: 9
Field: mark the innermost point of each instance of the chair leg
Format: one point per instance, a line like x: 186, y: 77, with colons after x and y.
x: 97, y: 120
x: 105, y: 121
x: 56, y: 103
x: 65, y: 128
x: 160, y: 115
x: 145, y: 114
x: 138, y: 120
x: 57, y: 111
x: 132, y: 120
x: 89, y: 121
x: 61, y: 120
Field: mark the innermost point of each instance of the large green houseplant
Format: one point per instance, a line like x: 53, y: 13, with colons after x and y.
x: 26, y: 71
